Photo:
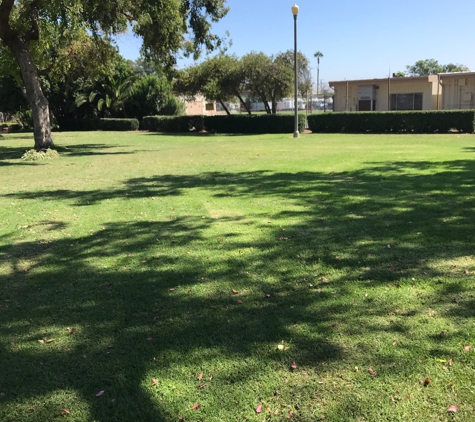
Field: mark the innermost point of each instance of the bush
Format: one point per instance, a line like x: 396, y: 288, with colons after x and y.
x: 118, y: 124
x: 172, y: 123
x: 33, y: 155
x: 98, y: 124
x: 267, y: 123
x: 263, y: 123
x: 440, y: 121
x: 172, y: 107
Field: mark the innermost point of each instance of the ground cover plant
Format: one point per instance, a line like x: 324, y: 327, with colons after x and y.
x: 227, y: 278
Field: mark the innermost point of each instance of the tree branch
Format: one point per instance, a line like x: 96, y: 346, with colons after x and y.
x: 33, y: 33
x: 6, y: 31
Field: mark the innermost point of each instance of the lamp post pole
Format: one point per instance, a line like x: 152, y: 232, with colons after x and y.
x: 295, y: 12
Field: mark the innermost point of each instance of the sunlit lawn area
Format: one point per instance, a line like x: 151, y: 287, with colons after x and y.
x: 149, y: 277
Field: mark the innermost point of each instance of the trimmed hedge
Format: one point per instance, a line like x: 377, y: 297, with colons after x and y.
x: 440, y: 121
x: 267, y: 123
x: 98, y: 124
x: 264, y: 123
x: 172, y: 123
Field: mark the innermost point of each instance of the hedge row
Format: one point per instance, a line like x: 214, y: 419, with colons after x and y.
x: 267, y: 123
x: 442, y: 121
x: 98, y: 124
x: 172, y: 123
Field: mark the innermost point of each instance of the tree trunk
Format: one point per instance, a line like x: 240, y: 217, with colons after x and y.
x: 34, y: 94
x: 244, y: 104
x: 225, y: 108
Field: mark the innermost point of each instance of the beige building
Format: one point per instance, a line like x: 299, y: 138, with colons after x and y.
x: 199, y: 106
x: 458, y: 90
x: 446, y: 91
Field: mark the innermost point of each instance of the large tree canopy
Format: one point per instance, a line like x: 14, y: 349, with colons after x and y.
x: 432, y: 67
x: 29, y: 27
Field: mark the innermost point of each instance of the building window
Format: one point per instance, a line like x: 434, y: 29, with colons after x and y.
x: 406, y: 101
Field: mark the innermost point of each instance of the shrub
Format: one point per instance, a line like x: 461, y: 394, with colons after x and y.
x: 440, y: 121
x: 118, y: 124
x: 33, y: 155
x: 267, y: 123
x: 173, y: 107
x: 264, y: 123
x: 172, y: 123
x: 98, y: 124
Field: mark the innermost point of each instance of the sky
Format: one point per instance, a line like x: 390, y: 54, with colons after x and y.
x: 358, y: 39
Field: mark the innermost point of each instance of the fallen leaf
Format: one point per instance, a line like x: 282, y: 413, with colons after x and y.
x: 280, y: 347
x: 154, y: 382
x: 468, y: 348
x: 196, y: 406
x: 394, y: 342
x: 72, y: 331
x: 239, y: 301
x: 286, y: 348
x: 41, y: 341
x: 200, y: 376
x: 65, y: 411
x: 235, y: 292
x: 276, y: 411
x: 100, y: 393
x: 452, y: 409
x: 467, y: 272
x: 267, y: 295
x: 294, y: 365
x: 259, y: 409
x: 172, y: 289
x: 290, y: 414
x: 372, y: 372
x: 335, y: 325
x: 49, y: 340
x: 451, y: 362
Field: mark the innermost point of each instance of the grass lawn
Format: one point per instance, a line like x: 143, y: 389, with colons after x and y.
x: 149, y: 277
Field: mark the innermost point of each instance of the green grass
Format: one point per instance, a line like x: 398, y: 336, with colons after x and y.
x: 349, y: 252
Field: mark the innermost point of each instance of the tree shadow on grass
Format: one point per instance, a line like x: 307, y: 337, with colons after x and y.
x: 152, y: 305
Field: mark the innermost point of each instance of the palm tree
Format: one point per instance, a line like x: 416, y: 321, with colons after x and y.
x: 318, y: 54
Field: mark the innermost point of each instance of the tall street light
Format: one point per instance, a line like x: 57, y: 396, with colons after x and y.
x: 295, y: 12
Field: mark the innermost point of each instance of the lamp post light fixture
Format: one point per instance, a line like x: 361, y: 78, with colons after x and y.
x: 295, y: 12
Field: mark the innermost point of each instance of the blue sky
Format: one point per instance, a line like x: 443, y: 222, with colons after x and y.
x: 358, y: 39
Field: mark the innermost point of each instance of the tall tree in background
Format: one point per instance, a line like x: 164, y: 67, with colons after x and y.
x: 166, y: 27
x: 221, y: 78
x: 318, y: 54
x: 432, y: 67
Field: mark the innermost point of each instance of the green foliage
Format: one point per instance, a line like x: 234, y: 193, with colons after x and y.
x: 432, y: 67
x: 172, y: 123
x: 25, y: 118
x: 221, y: 78
x: 66, y: 124
x: 11, y: 97
x: 33, y: 155
x: 172, y: 107
x: 262, y: 123
x: 147, y: 96
x: 442, y: 121
x: 269, y: 79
